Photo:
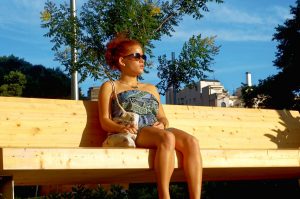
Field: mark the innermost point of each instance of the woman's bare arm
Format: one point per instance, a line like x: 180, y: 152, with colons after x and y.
x: 104, y: 107
x: 161, y: 116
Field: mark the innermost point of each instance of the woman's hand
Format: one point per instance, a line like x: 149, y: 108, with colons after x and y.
x: 129, y: 129
x: 159, y: 125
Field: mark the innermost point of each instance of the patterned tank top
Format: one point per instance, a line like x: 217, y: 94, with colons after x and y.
x: 141, y: 102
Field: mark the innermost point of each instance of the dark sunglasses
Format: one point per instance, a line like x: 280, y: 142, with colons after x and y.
x: 137, y: 56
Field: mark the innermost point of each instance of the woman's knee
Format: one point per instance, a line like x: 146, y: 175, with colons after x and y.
x: 192, y: 149
x: 167, y: 141
x: 192, y: 143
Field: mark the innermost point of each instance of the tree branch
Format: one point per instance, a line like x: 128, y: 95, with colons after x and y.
x: 165, y: 21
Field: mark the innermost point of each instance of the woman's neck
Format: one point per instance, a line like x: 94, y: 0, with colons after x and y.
x: 129, y: 81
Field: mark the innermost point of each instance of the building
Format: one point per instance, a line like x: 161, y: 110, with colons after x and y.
x: 238, y: 92
x: 93, y: 93
x: 205, y: 93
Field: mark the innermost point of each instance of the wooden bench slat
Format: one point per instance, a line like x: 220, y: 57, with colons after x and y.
x: 25, y: 161
x: 71, y: 139
x: 78, y: 158
x: 98, y: 176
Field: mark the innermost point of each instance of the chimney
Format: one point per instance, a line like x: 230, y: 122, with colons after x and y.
x: 248, y: 79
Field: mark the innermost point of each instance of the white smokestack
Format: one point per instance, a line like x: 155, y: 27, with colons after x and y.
x: 248, y: 79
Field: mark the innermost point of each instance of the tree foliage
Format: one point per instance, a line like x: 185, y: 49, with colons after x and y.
x: 14, y: 83
x: 274, y: 189
x: 21, y: 78
x: 283, y: 89
x: 98, y: 21
x: 194, y: 60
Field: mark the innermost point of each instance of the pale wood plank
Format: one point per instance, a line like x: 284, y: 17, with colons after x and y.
x: 36, y: 120
x: 75, y: 158
x: 55, y: 166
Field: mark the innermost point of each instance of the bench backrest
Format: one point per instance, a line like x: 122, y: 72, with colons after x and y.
x: 29, y: 122
x: 33, y: 122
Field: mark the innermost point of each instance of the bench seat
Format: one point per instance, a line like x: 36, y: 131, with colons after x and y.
x: 49, y: 141
x: 31, y: 166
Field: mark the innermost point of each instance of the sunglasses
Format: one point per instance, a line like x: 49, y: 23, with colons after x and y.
x: 137, y: 56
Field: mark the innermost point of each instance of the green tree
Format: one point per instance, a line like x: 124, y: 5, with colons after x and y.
x: 98, y: 21
x: 15, y: 82
x: 41, y: 82
x: 194, y: 60
x: 283, y: 89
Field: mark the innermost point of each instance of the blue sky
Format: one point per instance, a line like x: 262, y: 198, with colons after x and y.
x: 244, y: 30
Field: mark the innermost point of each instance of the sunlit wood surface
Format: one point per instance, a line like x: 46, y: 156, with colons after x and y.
x: 46, y: 141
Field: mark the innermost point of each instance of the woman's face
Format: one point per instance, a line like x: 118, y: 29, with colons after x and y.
x: 133, y: 62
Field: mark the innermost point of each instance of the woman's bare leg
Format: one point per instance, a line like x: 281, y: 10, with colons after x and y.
x: 192, y: 163
x: 164, y: 143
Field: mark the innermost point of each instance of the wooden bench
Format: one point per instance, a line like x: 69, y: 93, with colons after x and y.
x: 45, y: 141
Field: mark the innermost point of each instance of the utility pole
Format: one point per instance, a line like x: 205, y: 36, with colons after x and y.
x: 174, y: 87
x: 74, y: 77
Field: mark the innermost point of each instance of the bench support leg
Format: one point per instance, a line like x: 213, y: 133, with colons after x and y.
x: 6, y: 187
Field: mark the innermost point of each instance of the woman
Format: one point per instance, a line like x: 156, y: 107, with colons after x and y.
x: 153, y: 130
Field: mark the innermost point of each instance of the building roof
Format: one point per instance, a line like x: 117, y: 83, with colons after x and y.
x: 210, y: 80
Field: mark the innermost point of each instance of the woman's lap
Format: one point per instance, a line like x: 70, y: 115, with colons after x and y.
x: 148, y: 137
x: 182, y: 139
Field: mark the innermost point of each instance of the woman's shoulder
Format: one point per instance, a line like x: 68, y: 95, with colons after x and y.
x: 148, y: 86
x: 108, y: 86
x: 151, y: 89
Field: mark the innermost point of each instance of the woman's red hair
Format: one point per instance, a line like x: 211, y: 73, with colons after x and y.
x: 116, y: 48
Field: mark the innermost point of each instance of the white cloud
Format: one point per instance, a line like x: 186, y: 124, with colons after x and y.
x: 26, y: 12
x: 281, y: 12
x: 223, y: 34
x: 33, y: 5
x: 225, y: 14
x: 234, y: 24
x: 277, y: 15
x: 23, y: 12
x: 238, y: 35
x: 274, y: 14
